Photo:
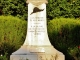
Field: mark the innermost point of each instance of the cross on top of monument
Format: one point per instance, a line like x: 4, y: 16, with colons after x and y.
x: 37, y: 2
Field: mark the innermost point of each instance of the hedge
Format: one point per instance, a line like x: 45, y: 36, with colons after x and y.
x: 64, y: 34
x: 12, y: 34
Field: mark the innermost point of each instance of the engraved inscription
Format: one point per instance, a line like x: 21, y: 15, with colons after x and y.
x: 36, y: 26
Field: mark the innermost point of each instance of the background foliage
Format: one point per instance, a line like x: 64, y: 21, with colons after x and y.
x: 63, y: 8
x: 55, y: 8
x: 14, y: 7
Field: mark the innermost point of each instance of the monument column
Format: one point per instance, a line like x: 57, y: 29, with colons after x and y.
x: 37, y: 29
x: 37, y: 45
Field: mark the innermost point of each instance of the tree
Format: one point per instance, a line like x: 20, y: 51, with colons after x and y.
x: 63, y: 8
x: 14, y: 7
x: 55, y: 8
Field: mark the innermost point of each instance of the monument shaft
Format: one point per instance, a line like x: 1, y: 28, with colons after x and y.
x: 37, y: 29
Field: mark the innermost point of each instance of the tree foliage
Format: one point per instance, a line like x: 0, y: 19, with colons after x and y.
x: 14, y: 7
x: 63, y: 8
x: 55, y: 8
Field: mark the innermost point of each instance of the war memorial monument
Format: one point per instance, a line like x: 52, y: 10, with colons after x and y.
x: 37, y: 45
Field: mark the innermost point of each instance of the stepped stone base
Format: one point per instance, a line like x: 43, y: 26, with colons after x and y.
x: 37, y: 53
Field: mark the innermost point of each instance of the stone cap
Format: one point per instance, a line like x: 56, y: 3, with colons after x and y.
x: 37, y: 2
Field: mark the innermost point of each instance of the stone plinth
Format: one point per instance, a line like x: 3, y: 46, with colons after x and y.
x: 37, y: 45
x: 37, y: 53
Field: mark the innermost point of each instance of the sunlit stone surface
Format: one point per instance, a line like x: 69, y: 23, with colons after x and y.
x: 37, y: 45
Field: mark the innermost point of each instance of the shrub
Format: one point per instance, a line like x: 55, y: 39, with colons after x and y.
x: 75, y: 52
x: 64, y: 33
x: 3, y: 57
x: 12, y: 34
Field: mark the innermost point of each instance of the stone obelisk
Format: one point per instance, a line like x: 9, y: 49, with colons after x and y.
x: 37, y: 45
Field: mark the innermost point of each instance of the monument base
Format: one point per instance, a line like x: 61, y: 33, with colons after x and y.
x: 37, y: 53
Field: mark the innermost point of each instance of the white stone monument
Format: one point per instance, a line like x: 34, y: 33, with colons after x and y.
x: 37, y: 45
